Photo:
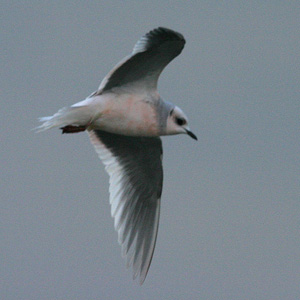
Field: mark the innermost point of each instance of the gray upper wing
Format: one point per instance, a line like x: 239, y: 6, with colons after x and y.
x: 149, y: 57
x: 135, y: 168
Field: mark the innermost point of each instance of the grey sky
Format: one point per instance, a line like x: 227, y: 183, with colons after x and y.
x: 229, y: 226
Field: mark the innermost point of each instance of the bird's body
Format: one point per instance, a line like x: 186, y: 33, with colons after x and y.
x: 124, y: 119
x: 127, y: 114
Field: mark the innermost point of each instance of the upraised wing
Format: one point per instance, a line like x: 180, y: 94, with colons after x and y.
x: 150, y: 56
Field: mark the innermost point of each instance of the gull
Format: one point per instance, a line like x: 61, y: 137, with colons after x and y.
x: 124, y: 119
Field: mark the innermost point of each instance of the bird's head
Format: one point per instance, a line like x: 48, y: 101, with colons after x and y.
x: 177, y: 123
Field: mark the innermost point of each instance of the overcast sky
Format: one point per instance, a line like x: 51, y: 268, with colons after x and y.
x: 230, y: 224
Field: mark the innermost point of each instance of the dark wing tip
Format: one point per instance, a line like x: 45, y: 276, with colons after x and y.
x: 162, y: 33
x: 158, y: 36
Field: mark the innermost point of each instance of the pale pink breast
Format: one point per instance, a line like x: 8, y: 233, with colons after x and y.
x: 128, y: 115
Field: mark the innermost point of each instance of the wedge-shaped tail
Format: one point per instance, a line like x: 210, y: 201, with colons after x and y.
x: 77, y: 116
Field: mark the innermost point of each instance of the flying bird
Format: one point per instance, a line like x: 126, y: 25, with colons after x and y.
x: 124, y: 119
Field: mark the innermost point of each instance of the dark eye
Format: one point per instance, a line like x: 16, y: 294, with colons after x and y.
x: 180, y: 121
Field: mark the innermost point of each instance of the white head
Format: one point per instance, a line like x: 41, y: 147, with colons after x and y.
x: 177, y: 123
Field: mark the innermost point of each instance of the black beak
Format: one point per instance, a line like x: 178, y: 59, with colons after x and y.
x: 191, y: 134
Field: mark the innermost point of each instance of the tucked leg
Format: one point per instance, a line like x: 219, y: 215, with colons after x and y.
x: 73, y: 129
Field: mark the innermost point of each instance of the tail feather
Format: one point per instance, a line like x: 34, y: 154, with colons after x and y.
x: 77, y: 116
x: 58, y: 119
